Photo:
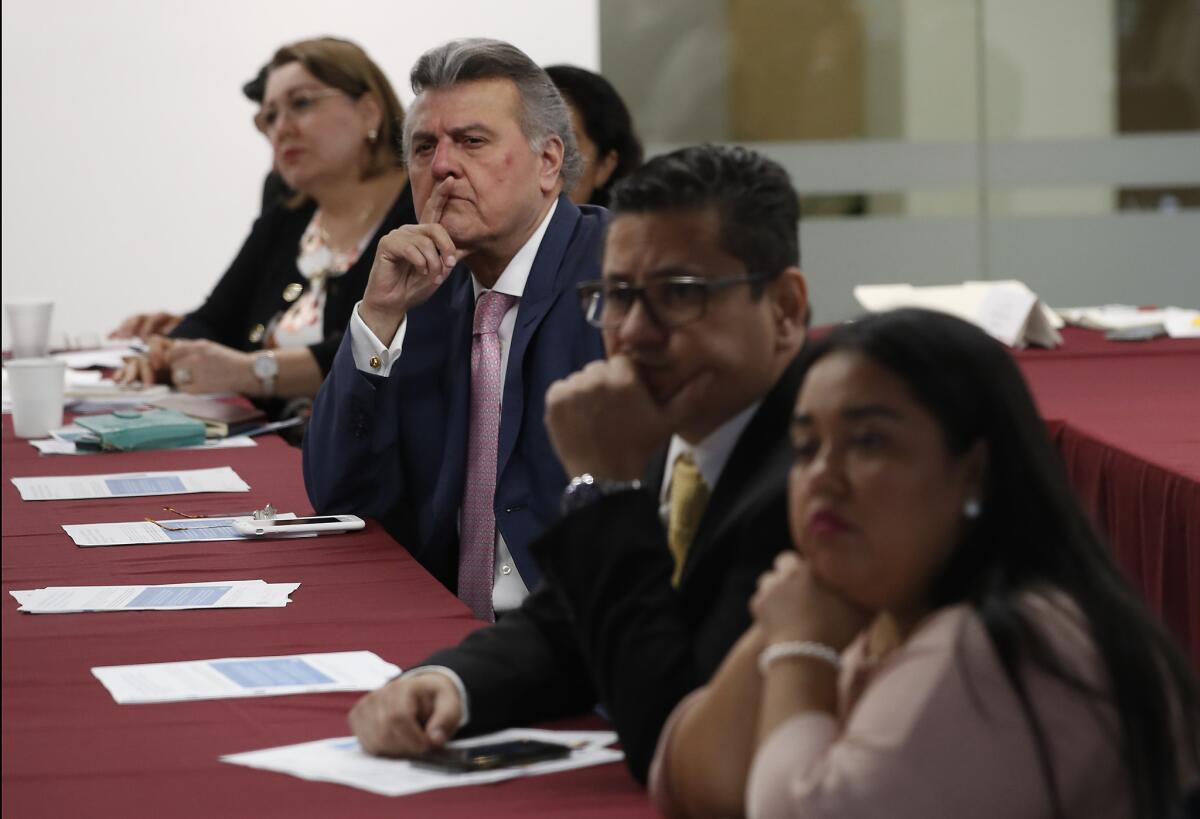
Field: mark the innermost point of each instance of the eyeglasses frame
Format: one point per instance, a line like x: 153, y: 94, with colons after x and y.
x: 590, y: 289
x: 312, y: 96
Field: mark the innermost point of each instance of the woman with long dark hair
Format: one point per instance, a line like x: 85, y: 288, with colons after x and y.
x: 604, y: 132
x: 952, y: 637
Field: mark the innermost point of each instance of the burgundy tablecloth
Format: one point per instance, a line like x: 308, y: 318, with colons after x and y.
x: 1126, y: 418
x: 70, y: 750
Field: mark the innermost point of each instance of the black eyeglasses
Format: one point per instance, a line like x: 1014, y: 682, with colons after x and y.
x: 672, y: 301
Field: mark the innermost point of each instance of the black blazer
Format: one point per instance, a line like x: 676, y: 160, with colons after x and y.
x: 250, y: 293
x: 395, y: 448
x: 607, y: 626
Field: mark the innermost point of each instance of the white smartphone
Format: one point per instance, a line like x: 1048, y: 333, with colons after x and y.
x: 288, y: 526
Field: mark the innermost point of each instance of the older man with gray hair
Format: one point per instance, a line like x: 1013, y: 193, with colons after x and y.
x: 431, y: 418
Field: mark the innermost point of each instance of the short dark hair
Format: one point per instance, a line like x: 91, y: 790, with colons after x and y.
x: 1033, y: 535
x: 543, y: 110
x: 758, y: 208
x: 605, y: 119
x: 256, y: 88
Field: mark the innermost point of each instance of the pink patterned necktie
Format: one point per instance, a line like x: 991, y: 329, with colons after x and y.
x: 477, y: 543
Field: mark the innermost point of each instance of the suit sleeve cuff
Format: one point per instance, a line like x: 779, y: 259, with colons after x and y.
x: 371, y: 355
x: 454, y: 678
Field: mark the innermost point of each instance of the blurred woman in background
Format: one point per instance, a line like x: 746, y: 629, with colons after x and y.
x: 603, y: 129
x: 271, y: 326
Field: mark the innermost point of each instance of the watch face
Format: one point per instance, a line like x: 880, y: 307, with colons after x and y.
x: 265, y: 366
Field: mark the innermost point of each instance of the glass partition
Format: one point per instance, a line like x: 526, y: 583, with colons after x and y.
x: 935, y: 141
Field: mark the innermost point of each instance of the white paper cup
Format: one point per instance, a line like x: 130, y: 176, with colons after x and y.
x: 37, y: 395
x: 29, y: 327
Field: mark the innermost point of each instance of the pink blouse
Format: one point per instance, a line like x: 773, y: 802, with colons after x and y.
x: 935, y: 730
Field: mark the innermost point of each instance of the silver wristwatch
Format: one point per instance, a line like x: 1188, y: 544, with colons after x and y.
x: 266, y: 368
x: 586, y: 489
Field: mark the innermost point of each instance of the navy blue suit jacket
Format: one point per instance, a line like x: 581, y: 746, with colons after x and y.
x: 395, y: 448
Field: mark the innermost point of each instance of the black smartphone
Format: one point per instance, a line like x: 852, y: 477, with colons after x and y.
x: 489, y: 757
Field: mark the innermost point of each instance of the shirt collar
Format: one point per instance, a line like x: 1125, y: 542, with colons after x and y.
x: 512, y: 280
x: 712, y: 453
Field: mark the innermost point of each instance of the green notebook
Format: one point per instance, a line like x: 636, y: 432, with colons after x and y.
x: 130, y: 430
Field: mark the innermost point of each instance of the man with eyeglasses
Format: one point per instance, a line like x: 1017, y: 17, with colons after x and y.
x: 431, y: 419
x: 678, y: 447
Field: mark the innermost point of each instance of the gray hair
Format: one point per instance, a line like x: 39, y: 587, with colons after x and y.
x: 543, y: 111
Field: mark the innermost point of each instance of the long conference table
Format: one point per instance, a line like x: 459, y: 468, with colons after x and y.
x: 1125, y: 418
x: 70, y: 750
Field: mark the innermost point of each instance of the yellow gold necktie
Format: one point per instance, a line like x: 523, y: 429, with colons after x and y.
x: 689, y: 496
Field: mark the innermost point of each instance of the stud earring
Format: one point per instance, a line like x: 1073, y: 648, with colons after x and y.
x: 372, y: 136
x: 972, y: 508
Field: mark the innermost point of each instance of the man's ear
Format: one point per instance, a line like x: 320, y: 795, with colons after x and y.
x: 550, y: 163
x: 789, y: 305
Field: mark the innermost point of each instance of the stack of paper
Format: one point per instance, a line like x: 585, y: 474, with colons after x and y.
x: 131, y: 484
x: 1007, y: 310
x: 1173, y: 321
x: 110, y: 357
x: 245, y: 677
x: 342, y: 761
x: 217, y: 594
x: 62, y: 442
x: 173, y: 530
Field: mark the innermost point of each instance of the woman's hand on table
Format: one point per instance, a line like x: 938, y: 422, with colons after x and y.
x: 149, y: 368
x: 203, y: 366
x: 144, y: 325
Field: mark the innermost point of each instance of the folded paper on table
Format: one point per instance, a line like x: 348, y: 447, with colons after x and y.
x: 130, y: 484
x: 174, y: 530
x: 1007, y: 310
x: 245, y: 677
x: 342, y: 761
x: 216, y: 594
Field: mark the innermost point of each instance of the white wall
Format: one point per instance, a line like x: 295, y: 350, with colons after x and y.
x: 131, y: 169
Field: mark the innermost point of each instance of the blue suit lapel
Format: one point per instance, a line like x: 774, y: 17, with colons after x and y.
x: 447, y: 497
x: 542, y: 289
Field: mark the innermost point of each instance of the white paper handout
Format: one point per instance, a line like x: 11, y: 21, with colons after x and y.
x: 1173, y: 321
x: 342, y: 761
x: 131, y: 484
x: 245, y: 677
x: 173, y: 530
x: 216, y: 594
x: 109, y: 357
x: 1007, y: 310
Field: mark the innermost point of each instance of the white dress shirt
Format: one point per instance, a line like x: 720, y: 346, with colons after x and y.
x: 508, y: 589
x: 710, y: 455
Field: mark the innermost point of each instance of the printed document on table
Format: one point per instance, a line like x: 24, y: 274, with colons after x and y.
x: 216, y: 594
x: 342, y: 761
x: 131, y: 484
x: 174, y: 530
x: 245, y: 677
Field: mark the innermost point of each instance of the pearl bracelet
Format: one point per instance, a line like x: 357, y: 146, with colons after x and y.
x: 799, y: 648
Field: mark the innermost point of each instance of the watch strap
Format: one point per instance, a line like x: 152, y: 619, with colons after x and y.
x: 586, y: 489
